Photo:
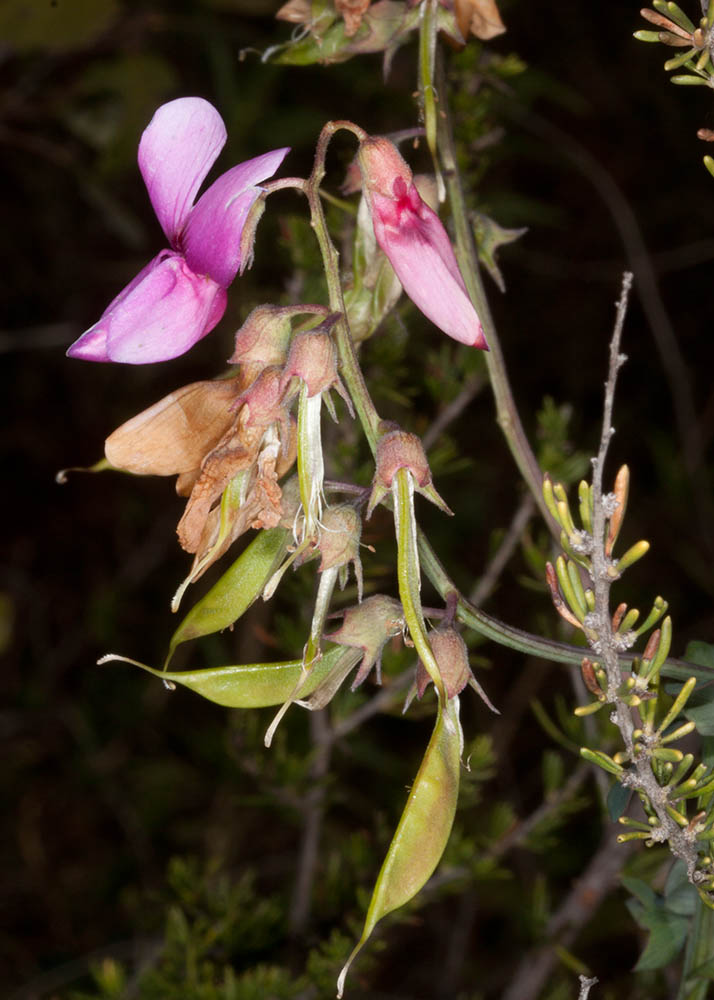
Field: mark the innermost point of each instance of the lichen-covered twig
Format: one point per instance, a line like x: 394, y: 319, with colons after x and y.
x: 676, y: 796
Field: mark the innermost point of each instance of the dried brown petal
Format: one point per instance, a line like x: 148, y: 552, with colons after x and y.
x: 175, y: 434
x: 478, y: 17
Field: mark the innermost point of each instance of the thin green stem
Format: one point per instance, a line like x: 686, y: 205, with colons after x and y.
x: 409, y: 573
x: 506, y: 411
x: 349, y: 366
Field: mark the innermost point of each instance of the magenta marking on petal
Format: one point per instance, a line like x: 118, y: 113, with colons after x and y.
x: 211, y: 238
x: 419, y: 249
x: 176, y: 151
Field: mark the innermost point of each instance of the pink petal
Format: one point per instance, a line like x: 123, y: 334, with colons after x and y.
x: 163, y: 312
x: 418, y: 247
x: 211, y: 238
x: 176, y: 151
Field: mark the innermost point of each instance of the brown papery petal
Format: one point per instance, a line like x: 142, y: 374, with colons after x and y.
x: 479, y: 17
x: 174, y: 435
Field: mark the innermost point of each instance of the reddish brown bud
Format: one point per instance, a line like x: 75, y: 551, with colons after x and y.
x: 313, y: 360
x: 452, y: 656
x: 591, y: 682
x: 262, y: 402
x: 265, y: 335
x: 397, y: 450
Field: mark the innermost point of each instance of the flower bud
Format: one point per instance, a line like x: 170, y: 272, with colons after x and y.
x: 412, y: 236
x: 451, y: 654
x: 397, y: 449
x: 262, y: 405
x: 313, y: 360
x: 265, y: 334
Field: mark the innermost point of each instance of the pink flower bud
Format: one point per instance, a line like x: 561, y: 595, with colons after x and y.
x: 416, y: 243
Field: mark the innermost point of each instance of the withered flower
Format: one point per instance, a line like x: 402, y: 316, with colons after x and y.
x: 338, y: 541
x: 368, y: 627
x: 479, y: 18
x: 226, y: 441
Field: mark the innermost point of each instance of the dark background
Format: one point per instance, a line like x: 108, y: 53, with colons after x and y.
x: 105, y: 776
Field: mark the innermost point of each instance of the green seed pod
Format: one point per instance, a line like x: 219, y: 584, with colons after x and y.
x: 251, y: 685
x: 423, y: 830
x: 233, y: 594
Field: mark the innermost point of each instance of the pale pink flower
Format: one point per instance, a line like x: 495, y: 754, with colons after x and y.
x: 181, y: 295
x: 416, y: 243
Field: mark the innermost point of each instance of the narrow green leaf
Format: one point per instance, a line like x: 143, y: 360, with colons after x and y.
x: 679, y: 17
x: 602, y: 760
x: 423, y: 829
x: 690, y: 81
x: 233, y: 594
x: 252, y: 685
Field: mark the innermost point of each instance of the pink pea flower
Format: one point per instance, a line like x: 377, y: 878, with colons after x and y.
x: 181, y: 295
x: 416, y: 243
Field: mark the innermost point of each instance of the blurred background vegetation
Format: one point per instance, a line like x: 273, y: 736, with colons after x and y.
x: 151, y: 844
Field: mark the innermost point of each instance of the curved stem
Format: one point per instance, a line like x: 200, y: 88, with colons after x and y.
x: 349, y: 366
x: 506, y: 411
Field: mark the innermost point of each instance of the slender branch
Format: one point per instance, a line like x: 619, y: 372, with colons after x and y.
x: 601, y: 634
x: 386, y: 699
x: 585, y: 986
x: 349, y: 366
x: 314, y: 809
x: 522, y: 830
x: 508, y: 635
x: 506, y: 410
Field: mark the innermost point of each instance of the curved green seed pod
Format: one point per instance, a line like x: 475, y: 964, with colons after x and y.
x: 251, y: 685
x: 423, y: 829
x: 233, y: 594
